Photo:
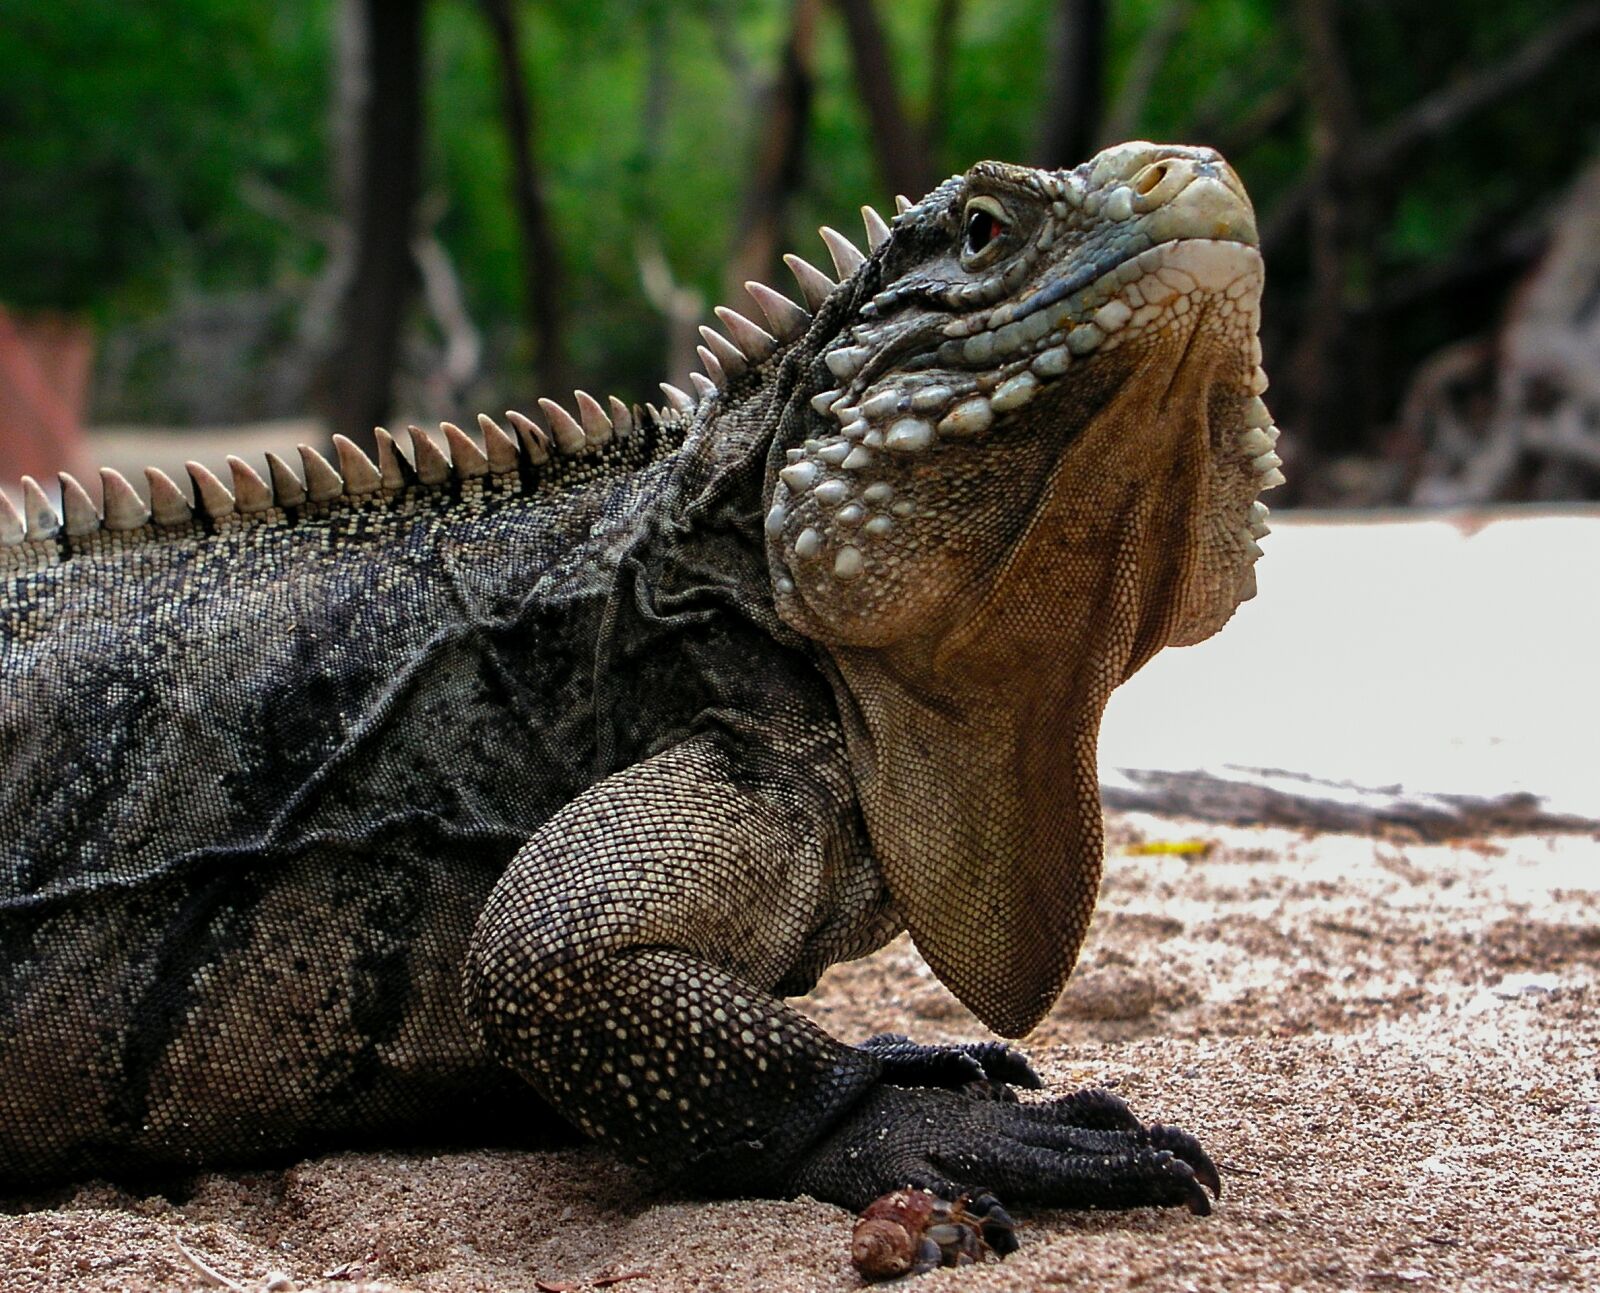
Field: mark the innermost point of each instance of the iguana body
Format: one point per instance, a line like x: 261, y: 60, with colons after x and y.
x: 475, y: 798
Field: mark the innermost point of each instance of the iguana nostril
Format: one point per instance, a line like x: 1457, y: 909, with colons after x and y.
x: 1160, y: 182
x: 1146, y: 180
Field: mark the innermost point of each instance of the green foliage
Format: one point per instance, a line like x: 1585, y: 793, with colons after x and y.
x: 131, y: 136
x: 124, y: 130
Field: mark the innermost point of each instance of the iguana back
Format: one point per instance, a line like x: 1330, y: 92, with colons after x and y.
x: 263, y: 767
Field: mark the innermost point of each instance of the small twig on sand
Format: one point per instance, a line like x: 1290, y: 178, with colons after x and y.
x: 207, y: 1273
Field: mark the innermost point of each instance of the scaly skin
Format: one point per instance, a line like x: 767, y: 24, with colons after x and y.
x: 459, y: 797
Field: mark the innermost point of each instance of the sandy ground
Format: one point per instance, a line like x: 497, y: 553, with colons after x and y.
x: 1389, y: 1047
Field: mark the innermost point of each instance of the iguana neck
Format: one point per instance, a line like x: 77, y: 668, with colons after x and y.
x: 975, y: 756
x: 986, y: 824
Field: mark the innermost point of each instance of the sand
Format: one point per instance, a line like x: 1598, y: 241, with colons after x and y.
x: 1389, y: 1048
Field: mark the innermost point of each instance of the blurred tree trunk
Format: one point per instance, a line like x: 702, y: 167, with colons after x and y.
x: 386, y: 186
x: 682, y: 307
x: 348, y: 95
x: 941, y: 65
x: 779, y: 162
x: 1071, y: 126
x: 659, y: 87
x: 897, y: 144
x: 541, y: 258
x: 45, y: 362
x: 1340, y: 233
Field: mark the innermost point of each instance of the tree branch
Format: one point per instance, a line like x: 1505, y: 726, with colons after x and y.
x: 902, y: 157
x: 1436, y: 113
x: 1445, y: 108
x: 441, y: 289
x: 779, y: 161
x: 541, y: 258
x: 682, y: 307
x: 1271, y: 797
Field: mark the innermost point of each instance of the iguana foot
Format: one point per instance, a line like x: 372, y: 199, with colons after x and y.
x: 908, y: 1063
x: 1080, y: 1151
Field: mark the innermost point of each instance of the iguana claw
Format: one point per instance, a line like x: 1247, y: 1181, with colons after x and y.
x: 908, y: 1063
x: 1187, y: 1149
x: 1096, y: 1107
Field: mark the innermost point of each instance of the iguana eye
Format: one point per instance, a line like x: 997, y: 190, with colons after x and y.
x: 985, y: 222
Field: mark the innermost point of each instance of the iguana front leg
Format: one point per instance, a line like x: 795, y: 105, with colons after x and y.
x: 625, y: 965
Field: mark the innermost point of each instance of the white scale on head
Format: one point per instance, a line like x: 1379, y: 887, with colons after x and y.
x: 904, y: 415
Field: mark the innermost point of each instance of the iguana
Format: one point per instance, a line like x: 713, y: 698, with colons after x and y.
x: 468, y: 796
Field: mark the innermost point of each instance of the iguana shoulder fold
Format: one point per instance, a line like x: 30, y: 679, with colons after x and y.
x: 522, y: 778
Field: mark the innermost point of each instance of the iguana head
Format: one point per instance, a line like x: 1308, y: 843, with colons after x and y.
x: 1021, y: 455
